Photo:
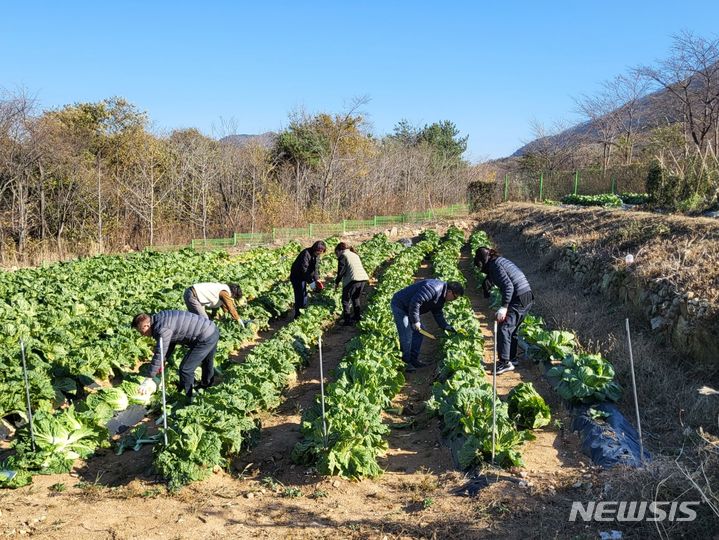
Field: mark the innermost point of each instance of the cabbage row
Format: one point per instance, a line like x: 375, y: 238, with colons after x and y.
x: 463, y: 397
x: 367, y: 379
x: 578, y: 377
x: 74, y: 316
x: 64, y: 435
x: 221, y: 421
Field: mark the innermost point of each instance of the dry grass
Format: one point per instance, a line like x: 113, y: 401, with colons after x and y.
x: 679, y: 250
x: 680, y: 424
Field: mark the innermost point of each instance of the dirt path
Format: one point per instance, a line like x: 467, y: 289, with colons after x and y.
x: 555, y: 450
x: 414, y: 442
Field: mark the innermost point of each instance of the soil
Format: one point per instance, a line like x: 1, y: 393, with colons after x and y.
x: 117, y: 497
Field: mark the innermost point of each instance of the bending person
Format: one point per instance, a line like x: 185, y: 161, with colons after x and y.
x: 407, y: 305
x: 213, y: 296
x: 198, y: 334
x: 517, y: 299
x: 353, y: 277
x: 305, y: 270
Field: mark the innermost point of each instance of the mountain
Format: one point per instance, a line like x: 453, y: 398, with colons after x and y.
x: 266, y: 139
x: 653, y: 110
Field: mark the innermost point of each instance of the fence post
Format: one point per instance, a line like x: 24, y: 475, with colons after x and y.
x: 506, y: 187
x: 375, y: 221
x: 344, y: 226
x: 310, y: 230
x: 614, y: 186
x: 234, y: 238
x: 192, y: 243
x: 273, y: 234
x: 541, y: 186
x: 576, y: 181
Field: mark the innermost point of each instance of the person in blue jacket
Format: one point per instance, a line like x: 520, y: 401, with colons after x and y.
x: 407, y: 306
x: 517, y: 300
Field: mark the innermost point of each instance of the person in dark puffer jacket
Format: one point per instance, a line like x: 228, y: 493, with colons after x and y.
x: 517, y: 300
x: 407, y: 305
x: 198, y: 334
x: 306, y: 269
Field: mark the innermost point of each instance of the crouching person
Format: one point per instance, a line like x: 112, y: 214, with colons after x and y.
x: 198, y: 334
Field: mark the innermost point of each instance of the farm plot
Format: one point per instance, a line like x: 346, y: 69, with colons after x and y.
x: 70, y: 420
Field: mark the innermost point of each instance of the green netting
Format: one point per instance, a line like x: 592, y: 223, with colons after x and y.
x: 355, y: 224
x: 329, y: 229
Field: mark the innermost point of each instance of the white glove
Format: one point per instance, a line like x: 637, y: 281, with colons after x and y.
x: 501, y: 314
x: 148, y: 386
x: 417, y: 326
x: 312, y: 286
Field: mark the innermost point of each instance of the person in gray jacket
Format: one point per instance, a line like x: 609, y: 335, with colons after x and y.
x: 353, y: 277
x: 407, y: 305
x: 198, y: 334
x: 517, y: 300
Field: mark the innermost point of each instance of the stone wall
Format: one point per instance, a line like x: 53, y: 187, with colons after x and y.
x: 682, y: 318
x: 679, y: 317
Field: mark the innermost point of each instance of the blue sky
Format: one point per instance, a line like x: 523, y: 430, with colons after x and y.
x: 490, y: 67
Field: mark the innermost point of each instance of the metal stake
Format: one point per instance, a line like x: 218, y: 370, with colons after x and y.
x: 494, y: 392
x: 322, y: 395
x: 164, y: 394
x: 634, y: 389
x: 27, y: 395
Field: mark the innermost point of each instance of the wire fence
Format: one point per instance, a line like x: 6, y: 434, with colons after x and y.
x: 313, y: 230
x: 556, y: 184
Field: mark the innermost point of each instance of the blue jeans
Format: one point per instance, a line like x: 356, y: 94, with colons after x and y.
x: 409, y: 341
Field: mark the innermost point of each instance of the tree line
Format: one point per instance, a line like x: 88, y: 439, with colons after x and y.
x: 93, y: 177
x: 661, y: 121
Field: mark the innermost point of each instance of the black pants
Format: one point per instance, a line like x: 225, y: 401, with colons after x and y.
x: 351, y: 299
x: 300, y: 289
x: 202, y: 353
x: 518, y: 308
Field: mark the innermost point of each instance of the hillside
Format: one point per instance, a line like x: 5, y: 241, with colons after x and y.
x: 266, y: 139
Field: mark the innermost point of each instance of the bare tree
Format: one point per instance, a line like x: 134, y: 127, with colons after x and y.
x: 691, y: 76
x: 604, y: 123
x: 628, y: 90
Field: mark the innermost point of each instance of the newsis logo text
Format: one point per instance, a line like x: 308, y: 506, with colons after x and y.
x: 623, y: 511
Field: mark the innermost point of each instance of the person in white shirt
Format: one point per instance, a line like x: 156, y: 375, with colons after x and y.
x: 213, y: 296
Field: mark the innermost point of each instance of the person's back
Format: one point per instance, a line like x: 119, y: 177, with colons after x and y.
x: 208, y: 294
x: 429, y: 293
x: 508, y: 277
x: 181, y: 327
x: 353, y: 269
x: 304, y: 267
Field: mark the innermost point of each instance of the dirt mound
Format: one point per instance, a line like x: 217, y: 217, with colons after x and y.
x: 672, y: 283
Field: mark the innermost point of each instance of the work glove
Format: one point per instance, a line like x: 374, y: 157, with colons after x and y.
x: 417, y: 326
x: 148, y: 386
x: 501, y: 314
x: 319, y: 285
